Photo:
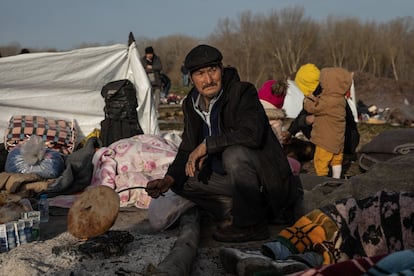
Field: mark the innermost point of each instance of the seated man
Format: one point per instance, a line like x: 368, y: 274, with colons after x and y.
x: 229, y: 162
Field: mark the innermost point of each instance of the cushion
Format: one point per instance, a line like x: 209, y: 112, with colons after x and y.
x: 58, y: 134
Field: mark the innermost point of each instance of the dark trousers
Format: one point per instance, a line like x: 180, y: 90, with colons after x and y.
x: 237, y: 193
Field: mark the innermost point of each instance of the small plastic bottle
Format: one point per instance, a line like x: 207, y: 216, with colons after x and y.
x: 44, y: 208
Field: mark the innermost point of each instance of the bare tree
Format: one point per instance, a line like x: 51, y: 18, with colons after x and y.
x: 335, y: 35
x: 241, y: 44
x: 224, y: 37
x: 288, y: 36
x: 394, y: 37
x: 367, y: 46
x: 408, y: 71
x: 349, y: 43
x: 247, y: 44
x: 171, y: 50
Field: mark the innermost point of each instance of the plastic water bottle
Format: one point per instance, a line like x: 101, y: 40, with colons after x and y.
x: 44, y: 208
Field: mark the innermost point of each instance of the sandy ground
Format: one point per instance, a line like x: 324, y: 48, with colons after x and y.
x: 38, y: 258
x: 139, y: 257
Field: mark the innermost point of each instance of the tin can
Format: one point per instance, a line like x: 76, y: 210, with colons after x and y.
x: 11, y: 235
x: 28, y: 225
x: 34, y: 216
x: 16, y: 233
x: 4, y: 247
x: 21, y: 232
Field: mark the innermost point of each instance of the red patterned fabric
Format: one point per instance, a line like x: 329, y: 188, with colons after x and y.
x: 59, y: 135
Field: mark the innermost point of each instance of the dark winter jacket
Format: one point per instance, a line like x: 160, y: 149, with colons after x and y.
x: 242, y: 122
x: 299, y: 124
x: 156, y: 70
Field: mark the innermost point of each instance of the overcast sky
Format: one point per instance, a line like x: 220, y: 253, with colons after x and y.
x: 65, y: 24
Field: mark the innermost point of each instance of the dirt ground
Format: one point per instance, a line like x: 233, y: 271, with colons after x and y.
x: 383, y: 92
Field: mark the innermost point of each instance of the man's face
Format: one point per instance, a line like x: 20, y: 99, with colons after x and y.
x: 207, y: 80
x: 149, y: 56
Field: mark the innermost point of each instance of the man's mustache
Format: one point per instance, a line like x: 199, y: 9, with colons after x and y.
x: 211, y: 84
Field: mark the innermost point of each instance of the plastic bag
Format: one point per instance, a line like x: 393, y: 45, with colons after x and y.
x: 33, y: 157
x: 165, y: 210
x: 33, y: 150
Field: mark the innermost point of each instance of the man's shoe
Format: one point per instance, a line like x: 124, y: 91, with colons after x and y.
x: 235, y: 234
x: 253, y: 265
x: 229, y: 257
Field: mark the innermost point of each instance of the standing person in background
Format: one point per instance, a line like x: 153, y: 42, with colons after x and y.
x: 153, y: 66
x: 184, y: 74
x: 328, y: 128
x: 229, y: 162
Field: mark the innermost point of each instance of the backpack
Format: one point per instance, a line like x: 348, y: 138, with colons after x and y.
x: 121, y: 117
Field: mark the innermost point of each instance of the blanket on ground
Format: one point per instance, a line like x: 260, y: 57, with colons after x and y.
x: 386, y: 145
x: 132, y: 162
x: 23, y: 184
x: 379, y: 224
x: 350, y: 228
x: 395, y: 174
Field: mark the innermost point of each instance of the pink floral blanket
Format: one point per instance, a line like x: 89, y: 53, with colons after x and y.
x: 133, y: 162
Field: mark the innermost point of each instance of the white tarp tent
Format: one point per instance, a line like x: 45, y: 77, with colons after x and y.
x: 67, y: 85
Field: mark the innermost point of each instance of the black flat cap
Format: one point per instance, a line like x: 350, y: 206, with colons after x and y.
x: 149, y: 50
x: 202, y: 56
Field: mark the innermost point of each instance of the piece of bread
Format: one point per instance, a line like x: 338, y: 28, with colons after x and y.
x: 94, y: 212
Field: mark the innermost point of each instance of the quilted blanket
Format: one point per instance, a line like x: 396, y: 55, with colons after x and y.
x: 130, y: 163
x: 375, y: 225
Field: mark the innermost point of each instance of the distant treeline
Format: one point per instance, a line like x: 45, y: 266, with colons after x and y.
x: 275, y: 45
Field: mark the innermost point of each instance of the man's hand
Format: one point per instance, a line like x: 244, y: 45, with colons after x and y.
x: 286, y: 137
x: 158, y: 187
x: 196, y: 159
